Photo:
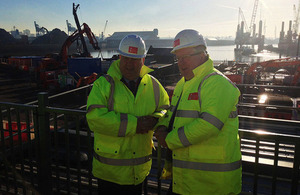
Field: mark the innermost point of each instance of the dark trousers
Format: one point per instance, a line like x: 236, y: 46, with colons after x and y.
x: 109, y: 188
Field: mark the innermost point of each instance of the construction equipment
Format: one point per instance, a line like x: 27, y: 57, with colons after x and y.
x: 272, y: 65
x: 70, y: 28
x: 87, y: 80
x: 73, y: 37
x: 296, y: 20
x: 249, y: 37
x: 253, y: 17
x: 40, y: 30
x: 103, y: 32
x: 54, y: 65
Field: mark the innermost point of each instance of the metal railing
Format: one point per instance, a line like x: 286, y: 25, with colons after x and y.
x: 46, y: 150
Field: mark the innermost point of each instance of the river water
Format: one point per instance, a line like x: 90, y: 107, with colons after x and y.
x: 217, y: 53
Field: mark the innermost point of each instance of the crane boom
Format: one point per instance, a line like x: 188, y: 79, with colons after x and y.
x: 85, y: 50
x: 296, y: 22
x: 73, y: 37
x: 253, y: 15
x: 105, y: 27
x: 102, y: 34
x: 241, y: 14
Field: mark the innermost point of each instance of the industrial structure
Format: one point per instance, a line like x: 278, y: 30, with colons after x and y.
x: 103, y: 32
x: 70, y: 28
x: 40, y: 30
x: 150, y: 38
x: 246, y: 37
x: 288, y: 43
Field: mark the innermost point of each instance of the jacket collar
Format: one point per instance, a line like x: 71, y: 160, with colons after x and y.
x: 114, y: 70
x: 204, y: 68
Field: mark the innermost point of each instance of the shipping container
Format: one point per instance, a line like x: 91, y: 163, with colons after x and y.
x: 80, y: 67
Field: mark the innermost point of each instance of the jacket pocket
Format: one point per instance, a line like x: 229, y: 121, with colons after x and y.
x: 107, y: 146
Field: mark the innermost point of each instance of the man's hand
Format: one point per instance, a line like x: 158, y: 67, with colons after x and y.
x: 161, y: 134
x: 145, y: 124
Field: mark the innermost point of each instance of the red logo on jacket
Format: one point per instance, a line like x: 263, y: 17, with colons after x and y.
x: 132, y: 50
x: 193, y: 96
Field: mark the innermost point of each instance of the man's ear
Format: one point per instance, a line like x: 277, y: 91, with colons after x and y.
x: 120, y: 56
x: 143, y: 60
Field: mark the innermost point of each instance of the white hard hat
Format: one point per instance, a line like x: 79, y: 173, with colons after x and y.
x: 132, y: 46
x: 188, y: 38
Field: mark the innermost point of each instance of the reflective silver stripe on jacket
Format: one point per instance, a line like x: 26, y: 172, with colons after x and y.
x: 155, y: 90
x: 196, y: 114
x: 122, y: 162
x: 212, y: 120
x: 206, y: 77
x: 205, y: 116
x: 207, y: 166
x: 123, y: 125
x: 187, y: 113
x: 183, y: 139
x: 199, y: 88
x: 91, y: 107
x: 112, y: 91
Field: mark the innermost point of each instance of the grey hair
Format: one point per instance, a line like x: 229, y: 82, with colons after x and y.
x: 200, y: 48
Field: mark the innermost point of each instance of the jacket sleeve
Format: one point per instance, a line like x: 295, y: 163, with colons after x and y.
x: 100, y: 119
x: 164, y: 103
x: 218, y: 99
x: 175, y: 95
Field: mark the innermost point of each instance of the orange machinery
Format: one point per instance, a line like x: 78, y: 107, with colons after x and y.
x: 52, y: 66
x: 278, y: 63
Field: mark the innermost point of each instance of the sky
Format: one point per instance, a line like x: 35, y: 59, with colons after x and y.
x: 212, y: 18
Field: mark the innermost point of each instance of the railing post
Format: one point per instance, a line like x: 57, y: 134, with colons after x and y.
x: 295, y: 176
x: 158, y: 169
x: 44, y: 171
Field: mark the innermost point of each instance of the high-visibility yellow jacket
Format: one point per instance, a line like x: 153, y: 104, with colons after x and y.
x: 204, y: 137
x: 120, y: 155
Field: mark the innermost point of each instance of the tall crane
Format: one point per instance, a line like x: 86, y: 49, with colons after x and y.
x: 70, y: 27
x: 296, y: 21
x: 253, y: 15
x: 241, y: 14
x: 85, y: 50
x: 40, y: 30
x: 102, y: 34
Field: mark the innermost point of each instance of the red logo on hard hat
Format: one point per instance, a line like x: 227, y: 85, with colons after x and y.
x: 176, y: 42
x: 193, y: 96
x: 133, y: 50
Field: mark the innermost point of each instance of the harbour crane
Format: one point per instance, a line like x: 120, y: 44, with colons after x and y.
x: 296, y: 21
x: 246, y: 35
x: 253, y: 16
x: 102, y: 34
x: 241, y: 14
x: 70, y: 28
x: 40, y: 30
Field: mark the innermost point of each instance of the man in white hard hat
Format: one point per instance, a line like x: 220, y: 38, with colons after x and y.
x: 204, y: 128
x: 123, y: 108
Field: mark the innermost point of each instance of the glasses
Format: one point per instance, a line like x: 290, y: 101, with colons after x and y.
x: 183, y: 57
